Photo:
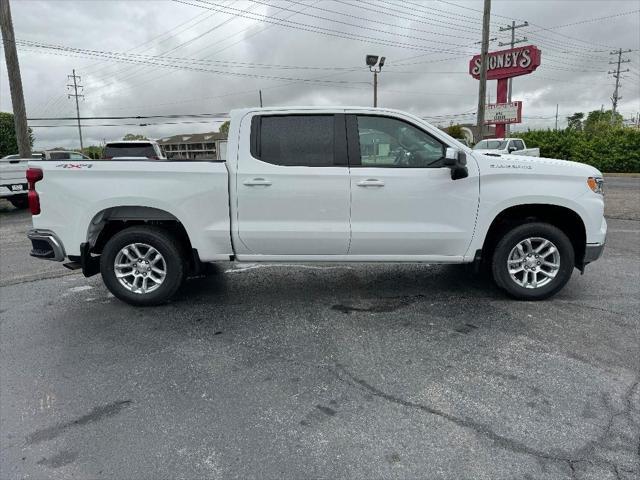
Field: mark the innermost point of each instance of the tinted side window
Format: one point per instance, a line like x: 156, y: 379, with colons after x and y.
x: 295, y: 140
x: 390, y: 142
x: 518, y: 144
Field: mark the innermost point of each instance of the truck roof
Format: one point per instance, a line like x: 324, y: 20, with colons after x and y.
x: 326, y: 108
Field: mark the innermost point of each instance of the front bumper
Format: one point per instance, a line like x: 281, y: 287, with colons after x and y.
x: 592, y: 253
x: 46, y: 245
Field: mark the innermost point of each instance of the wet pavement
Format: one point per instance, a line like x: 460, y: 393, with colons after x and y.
x: 328, y: 371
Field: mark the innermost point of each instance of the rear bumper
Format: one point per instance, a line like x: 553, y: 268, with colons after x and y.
x: 46, y: 245
x: 8, y: 190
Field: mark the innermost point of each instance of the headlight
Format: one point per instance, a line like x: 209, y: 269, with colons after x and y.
x: 596, y: 184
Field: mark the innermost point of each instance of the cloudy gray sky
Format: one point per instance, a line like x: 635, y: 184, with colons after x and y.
x: 217, y: 54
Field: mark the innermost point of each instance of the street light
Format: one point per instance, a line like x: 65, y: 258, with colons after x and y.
x: 375, y: 65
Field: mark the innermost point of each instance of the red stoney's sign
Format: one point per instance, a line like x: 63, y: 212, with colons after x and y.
x: 508, y: 63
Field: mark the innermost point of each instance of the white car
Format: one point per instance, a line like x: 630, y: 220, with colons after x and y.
x: 317, y: 184
x: 133, y: 149
x: 505, y: 146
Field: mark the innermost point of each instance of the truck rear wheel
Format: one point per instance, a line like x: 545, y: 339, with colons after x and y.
x: 533, y: 261
x: 142, y: 265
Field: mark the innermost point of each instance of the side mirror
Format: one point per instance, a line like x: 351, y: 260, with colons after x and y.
x: 451, y: 157
x: 512, y: 149
x: 457, y: 162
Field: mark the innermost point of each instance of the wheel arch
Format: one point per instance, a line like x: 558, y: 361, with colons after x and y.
x: 111, y: 220
x: 562, y: 217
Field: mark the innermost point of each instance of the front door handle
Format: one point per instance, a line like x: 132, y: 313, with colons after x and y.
x: 255, y: 182
x: 371, y: 182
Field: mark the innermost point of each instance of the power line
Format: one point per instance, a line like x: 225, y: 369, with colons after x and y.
x: 550, y: 29
x: 157, y: 62
x: 138, y: 117
x: 359, y: 17
x: 316, y: 29
x: 219, y: 50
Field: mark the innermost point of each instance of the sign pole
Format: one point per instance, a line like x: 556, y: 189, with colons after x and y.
x: 503, y: 87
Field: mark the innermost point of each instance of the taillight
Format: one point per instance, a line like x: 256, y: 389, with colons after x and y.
x: 34, y: 175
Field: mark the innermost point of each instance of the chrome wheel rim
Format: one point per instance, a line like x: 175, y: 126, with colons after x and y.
x: 534, y: 262
x: 140, y: 268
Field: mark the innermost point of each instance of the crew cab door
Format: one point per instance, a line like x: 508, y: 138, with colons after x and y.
x: 292, y: 186
x: 404, y: 202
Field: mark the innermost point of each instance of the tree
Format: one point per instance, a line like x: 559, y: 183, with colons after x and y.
x: 601, y: 120
x: 455, y: 131
x: 574, y: 122
x: 93, y: 151
x: 131, y: 136
x: 224, y: 128
x: 8, y: 141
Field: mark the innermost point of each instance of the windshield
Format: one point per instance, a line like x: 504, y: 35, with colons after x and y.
x: 130, y: 150
x: 491, y: 145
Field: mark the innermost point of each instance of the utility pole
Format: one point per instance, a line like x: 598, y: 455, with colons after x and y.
x: 482, y: 89
x: 260, y: 92
x: 375, y: 88
x: 512, y: 43
x: 15, y: 80
x: 616, y: 74
x: 75, y: 94
x: 556, y: 117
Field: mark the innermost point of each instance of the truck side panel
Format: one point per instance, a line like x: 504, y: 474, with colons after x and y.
x: 73, y: 196
x: 512, y: 180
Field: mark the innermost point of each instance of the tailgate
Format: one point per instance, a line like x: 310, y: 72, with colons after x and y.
x: 13, y: 170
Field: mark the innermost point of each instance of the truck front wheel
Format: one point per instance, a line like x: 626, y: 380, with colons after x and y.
x: 533, y: 261
x: 142, y: 265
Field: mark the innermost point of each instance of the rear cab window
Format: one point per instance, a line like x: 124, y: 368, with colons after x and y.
x: 142, y: 149
x: 298, y: 140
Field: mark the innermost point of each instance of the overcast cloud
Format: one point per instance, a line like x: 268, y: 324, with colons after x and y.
x: 438, y: 36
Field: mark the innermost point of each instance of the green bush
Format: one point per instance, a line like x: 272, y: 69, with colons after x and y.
x: 614, y: 149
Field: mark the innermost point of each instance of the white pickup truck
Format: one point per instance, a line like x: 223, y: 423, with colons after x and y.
x: 505, y: 146
x: 320, y: 185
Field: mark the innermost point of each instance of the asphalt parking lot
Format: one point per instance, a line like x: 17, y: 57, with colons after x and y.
x: 327, y: 371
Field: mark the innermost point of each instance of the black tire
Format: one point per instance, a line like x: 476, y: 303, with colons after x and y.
x: 518, y: 234
x: 163, y: 242
x: 19, y: 201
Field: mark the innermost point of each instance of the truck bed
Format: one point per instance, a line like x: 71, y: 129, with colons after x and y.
x: 74, y: 194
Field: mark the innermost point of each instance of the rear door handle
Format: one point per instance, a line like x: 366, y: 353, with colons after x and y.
x: 371, y: 182
x: 255, y: 182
